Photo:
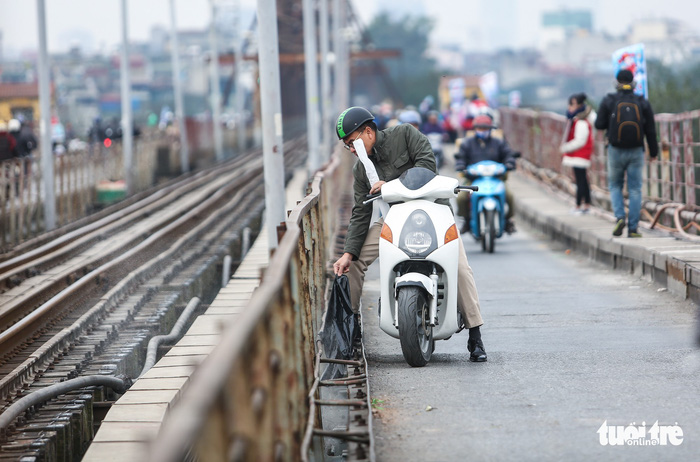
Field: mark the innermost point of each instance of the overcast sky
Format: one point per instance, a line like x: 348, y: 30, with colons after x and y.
x: 480, y: 24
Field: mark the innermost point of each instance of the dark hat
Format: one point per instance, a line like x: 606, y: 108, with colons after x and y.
x: 350, y: 120
x: 625, y: 76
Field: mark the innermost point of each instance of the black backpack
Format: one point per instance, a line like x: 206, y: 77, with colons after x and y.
x: 626, y: 127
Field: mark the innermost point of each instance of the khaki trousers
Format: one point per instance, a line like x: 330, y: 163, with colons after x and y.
x: 467, y: 296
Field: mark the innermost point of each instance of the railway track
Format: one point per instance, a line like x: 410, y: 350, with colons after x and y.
x: 87, y: 302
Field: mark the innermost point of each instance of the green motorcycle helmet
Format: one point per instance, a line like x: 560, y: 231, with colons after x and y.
x: 350, y: 120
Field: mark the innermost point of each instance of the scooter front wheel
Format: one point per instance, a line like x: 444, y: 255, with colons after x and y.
x: 415, y: 332
x: 488, y: 240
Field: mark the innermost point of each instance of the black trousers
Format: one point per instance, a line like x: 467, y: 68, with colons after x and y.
x: 583, y: 190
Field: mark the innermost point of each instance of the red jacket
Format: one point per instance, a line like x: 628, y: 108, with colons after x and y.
x: 578, y: 148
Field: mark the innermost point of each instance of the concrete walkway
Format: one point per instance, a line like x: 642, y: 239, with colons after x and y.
x: 658, y: 256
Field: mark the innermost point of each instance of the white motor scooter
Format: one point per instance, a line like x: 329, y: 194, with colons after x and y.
x: 418, y: 260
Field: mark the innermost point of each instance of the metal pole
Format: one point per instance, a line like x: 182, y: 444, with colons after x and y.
x: 127, y: 126
x: 240, y: 96
x: 326, y: 103
x: 45, y: 123
x: 177, y: 86
x: 311, y: 77
x: 336, y: 41
x: 215, y: 86
x: 341, y: 48
x: 271, y: 112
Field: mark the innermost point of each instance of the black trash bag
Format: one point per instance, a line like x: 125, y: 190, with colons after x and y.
x: 341, y: 327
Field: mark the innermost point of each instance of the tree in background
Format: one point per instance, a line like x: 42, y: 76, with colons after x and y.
x: 672, y: 90
x: 414, y: 74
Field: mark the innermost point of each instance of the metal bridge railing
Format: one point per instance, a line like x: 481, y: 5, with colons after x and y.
x: 249, y: 399
x: 669, y: 180
x: 78, y: 175
x: 83, y: 175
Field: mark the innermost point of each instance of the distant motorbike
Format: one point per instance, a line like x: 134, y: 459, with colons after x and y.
x: 488, y: 204
x: 418, y: 259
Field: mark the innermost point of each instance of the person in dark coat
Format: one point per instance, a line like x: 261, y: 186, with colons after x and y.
x: 482, y: 146
x: 626, y: 148
x: 391, y: 152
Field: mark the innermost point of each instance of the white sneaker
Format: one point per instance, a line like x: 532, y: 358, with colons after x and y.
x: 575, y: 211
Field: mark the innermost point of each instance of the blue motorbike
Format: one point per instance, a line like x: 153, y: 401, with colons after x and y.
x: 488, y: 204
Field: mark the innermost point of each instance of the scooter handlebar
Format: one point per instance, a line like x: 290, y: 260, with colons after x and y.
x: 378, y: 195
x: 372, y: 198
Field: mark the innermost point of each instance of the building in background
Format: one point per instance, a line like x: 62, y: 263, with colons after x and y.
x: 670, y: 41
x: 19, y: 100
x: 559, y: 26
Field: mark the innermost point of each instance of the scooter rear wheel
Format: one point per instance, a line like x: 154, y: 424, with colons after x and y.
x: 415, y: 334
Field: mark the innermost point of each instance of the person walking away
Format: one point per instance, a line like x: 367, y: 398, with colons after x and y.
x: 392, y: 151
x: 578, y: 147
x: 628, y: 119
x: 483, y: 146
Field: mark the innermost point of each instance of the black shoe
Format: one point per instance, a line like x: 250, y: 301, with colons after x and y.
x: 510, y: 226
x: 465, y: 227
x: 477, y: 353
x: 619, y: 226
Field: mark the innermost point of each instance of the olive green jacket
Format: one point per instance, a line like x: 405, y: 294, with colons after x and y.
x: 397, y: 149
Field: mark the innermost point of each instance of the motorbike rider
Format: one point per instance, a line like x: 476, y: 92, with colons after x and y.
x: 436, y: 135
x: 482, y: 146
x: 473, y: 108
x: 410, y: 116
x: 432, y: 124
x: 392, y: 151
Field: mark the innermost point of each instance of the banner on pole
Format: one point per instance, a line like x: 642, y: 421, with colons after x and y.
x: 632, y: 58
x: 488, y: 83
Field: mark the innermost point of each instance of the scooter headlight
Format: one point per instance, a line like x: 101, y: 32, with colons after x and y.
x: 418, y: 236
x: 418, y: 241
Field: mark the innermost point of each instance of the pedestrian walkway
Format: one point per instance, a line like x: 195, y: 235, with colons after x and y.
x: 658, y: 256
